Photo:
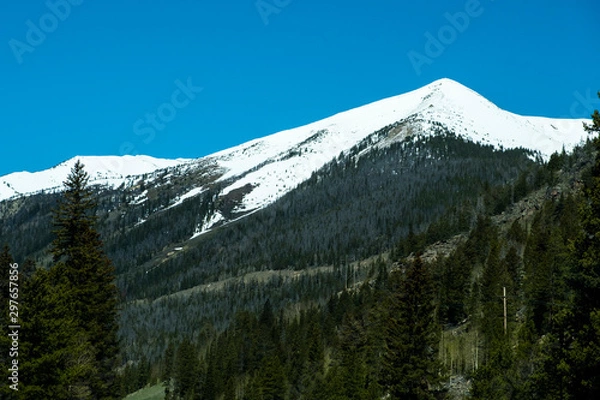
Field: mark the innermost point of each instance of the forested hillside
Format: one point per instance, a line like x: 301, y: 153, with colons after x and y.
x: 431, y: 330
x: 314, y: 296
x: 353, y: 209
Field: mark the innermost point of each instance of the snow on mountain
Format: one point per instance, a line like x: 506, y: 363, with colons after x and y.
x: 265, y: 169
x: 275, y: 164
x: 465, y: 112
x: 103, y: 170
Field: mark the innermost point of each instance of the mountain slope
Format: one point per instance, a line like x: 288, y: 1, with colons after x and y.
x: 277, y: 163
x: 313, y: 199
x: 106, y: 170
x: 255, y: 174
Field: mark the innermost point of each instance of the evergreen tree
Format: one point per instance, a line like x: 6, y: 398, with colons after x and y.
x: 89, y: 275
x: 70, y: 333
x: 411, y: 370
x: 595, y: 126
x: 455, y: 278
x: 584, y: 319
x: 270, y: 382
x: 167, y: 373
x: 493, y: 380
x: 570, y: 355
x: 186, y: 370
x: 353, y: 368
x: 56, y: 354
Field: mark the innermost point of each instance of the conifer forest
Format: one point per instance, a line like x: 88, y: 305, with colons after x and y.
x: 431, y: 268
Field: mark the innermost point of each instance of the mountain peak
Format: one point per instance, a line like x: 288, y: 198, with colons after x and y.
x: 273, y: 165
x: 446, y: 82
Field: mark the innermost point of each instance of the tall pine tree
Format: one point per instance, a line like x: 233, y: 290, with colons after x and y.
x: 411, y: 370
x: 70, y: 340
x: 82, y: 264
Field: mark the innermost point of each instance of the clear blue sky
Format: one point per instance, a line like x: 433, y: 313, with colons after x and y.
x: 90, y: 83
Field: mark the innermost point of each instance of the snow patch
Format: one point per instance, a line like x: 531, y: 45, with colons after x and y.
x: 110, y: 171
x: 190, y: 194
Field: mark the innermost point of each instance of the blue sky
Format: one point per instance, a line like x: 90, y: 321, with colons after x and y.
x: 184, y: 78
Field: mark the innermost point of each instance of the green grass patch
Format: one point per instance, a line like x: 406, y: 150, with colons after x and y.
x: 156, y: 392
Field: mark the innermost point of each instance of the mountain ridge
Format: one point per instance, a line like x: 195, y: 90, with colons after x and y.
x: 103, y: 170
x: 271, y: 166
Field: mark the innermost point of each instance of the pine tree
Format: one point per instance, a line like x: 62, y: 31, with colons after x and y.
x: 493, y: 380
x: 167, y: 373
x: 70, y: 332
x: 570, y: 355
x: 595, y: 126
x: 51, y: 339
x: 411, y: 370
x: 186, y: 370
x: 584, y: 322
x: 353, y: 368
x: 271, y: 379
x: 82, y: 264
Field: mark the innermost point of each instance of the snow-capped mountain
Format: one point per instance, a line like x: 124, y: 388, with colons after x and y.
x: 105, y: 170
x: 265, y: 169
x: 275, y: 164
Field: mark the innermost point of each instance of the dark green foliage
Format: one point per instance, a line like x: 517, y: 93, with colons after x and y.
x: 595, y: 126
x: 270, y: 379
x: 351, y: 373
x: 555, y: 353
x: 70, y: 344
x: 545, y: 258
x: 454, y: 286
x: 186, y: 371
x: 410, y: 363
x: 494, y: 380
x: 323, y: 222
x: 52, y: 343
x: 525, y: 361
x: 333, y: 352
x: 583, y: 322
x: 168, y: 371
x: 309, y: 322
